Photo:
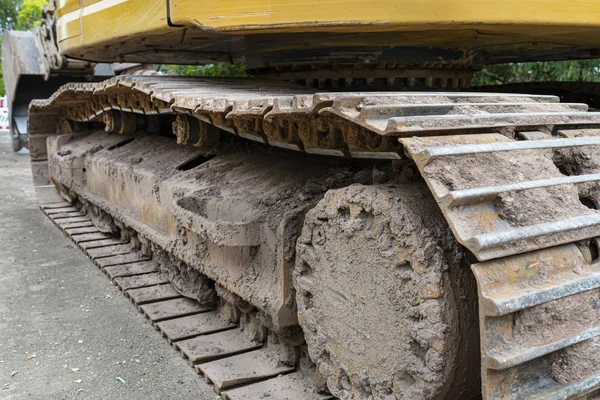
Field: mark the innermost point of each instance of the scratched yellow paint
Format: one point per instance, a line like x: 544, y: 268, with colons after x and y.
x: 102, y: 20
x: 84, y: 23
x: 68, y: 24
x: 260, y: 14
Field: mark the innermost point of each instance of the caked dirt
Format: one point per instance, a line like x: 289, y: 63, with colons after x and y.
x: 385, y: 296
x: 527, y: 207
x: 577, y: 362
x: 552, y: 321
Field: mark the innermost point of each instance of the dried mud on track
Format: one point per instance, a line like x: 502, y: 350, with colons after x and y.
x: 63, y: 326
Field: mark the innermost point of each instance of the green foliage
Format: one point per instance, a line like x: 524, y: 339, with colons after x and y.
x: 21, y: 15
x: 9, y: 12
x: 213, y: 70
x: 581, y: 70
x: 29, y: 14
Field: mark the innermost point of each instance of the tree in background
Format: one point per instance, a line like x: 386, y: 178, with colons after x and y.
x: 29, y: 14
x: 20, y: 15
x: 580, y: 70
x: 223, y: 70
x: 9, y: 13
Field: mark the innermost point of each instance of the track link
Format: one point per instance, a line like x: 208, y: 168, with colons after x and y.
x: 514, y: 175
x: 538, y: 309
x: 237, y: 364
x: 361, y: 125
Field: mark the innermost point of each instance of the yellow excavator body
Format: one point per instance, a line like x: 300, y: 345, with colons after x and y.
x: 154, y: 30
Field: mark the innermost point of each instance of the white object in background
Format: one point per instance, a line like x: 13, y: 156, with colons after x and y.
x: 4, y: 122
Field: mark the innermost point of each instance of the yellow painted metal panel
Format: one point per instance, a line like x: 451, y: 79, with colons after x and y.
x: 88, y: 29
x: 64, y: 7
x: 102, y: 20
x: 122, y: 18
x: 344, y: 15
x: 68, y: 24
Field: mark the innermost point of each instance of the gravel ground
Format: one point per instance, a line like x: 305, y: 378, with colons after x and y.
x: 65, y: 331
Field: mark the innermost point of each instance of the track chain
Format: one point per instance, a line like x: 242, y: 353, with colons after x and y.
x: 235, y: 363
x: 514, y: 175
x: 535, y: 230
x: 361, y: 125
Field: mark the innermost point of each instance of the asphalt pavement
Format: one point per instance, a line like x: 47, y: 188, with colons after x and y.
x: 65, y: 331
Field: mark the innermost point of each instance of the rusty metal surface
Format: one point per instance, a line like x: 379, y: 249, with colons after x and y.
x: 176, y: 330
x: 242, y: 369
x: 152, y: 294
x: 139, y: 281
x: 138, y: 268
x: 285, y: 387
x: 174, y: 308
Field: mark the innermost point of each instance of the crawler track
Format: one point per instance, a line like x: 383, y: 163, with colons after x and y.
x: 516, y: 177
x: 289, y: 116
x: 539, y: 284
x: 237, y: 364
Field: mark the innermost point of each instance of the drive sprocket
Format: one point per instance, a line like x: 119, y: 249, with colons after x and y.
x: 385, y: 296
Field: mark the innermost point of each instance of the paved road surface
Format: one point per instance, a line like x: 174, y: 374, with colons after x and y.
x: 65, y: 331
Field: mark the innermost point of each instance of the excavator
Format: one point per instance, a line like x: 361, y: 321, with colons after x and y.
x: 354, y: 220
